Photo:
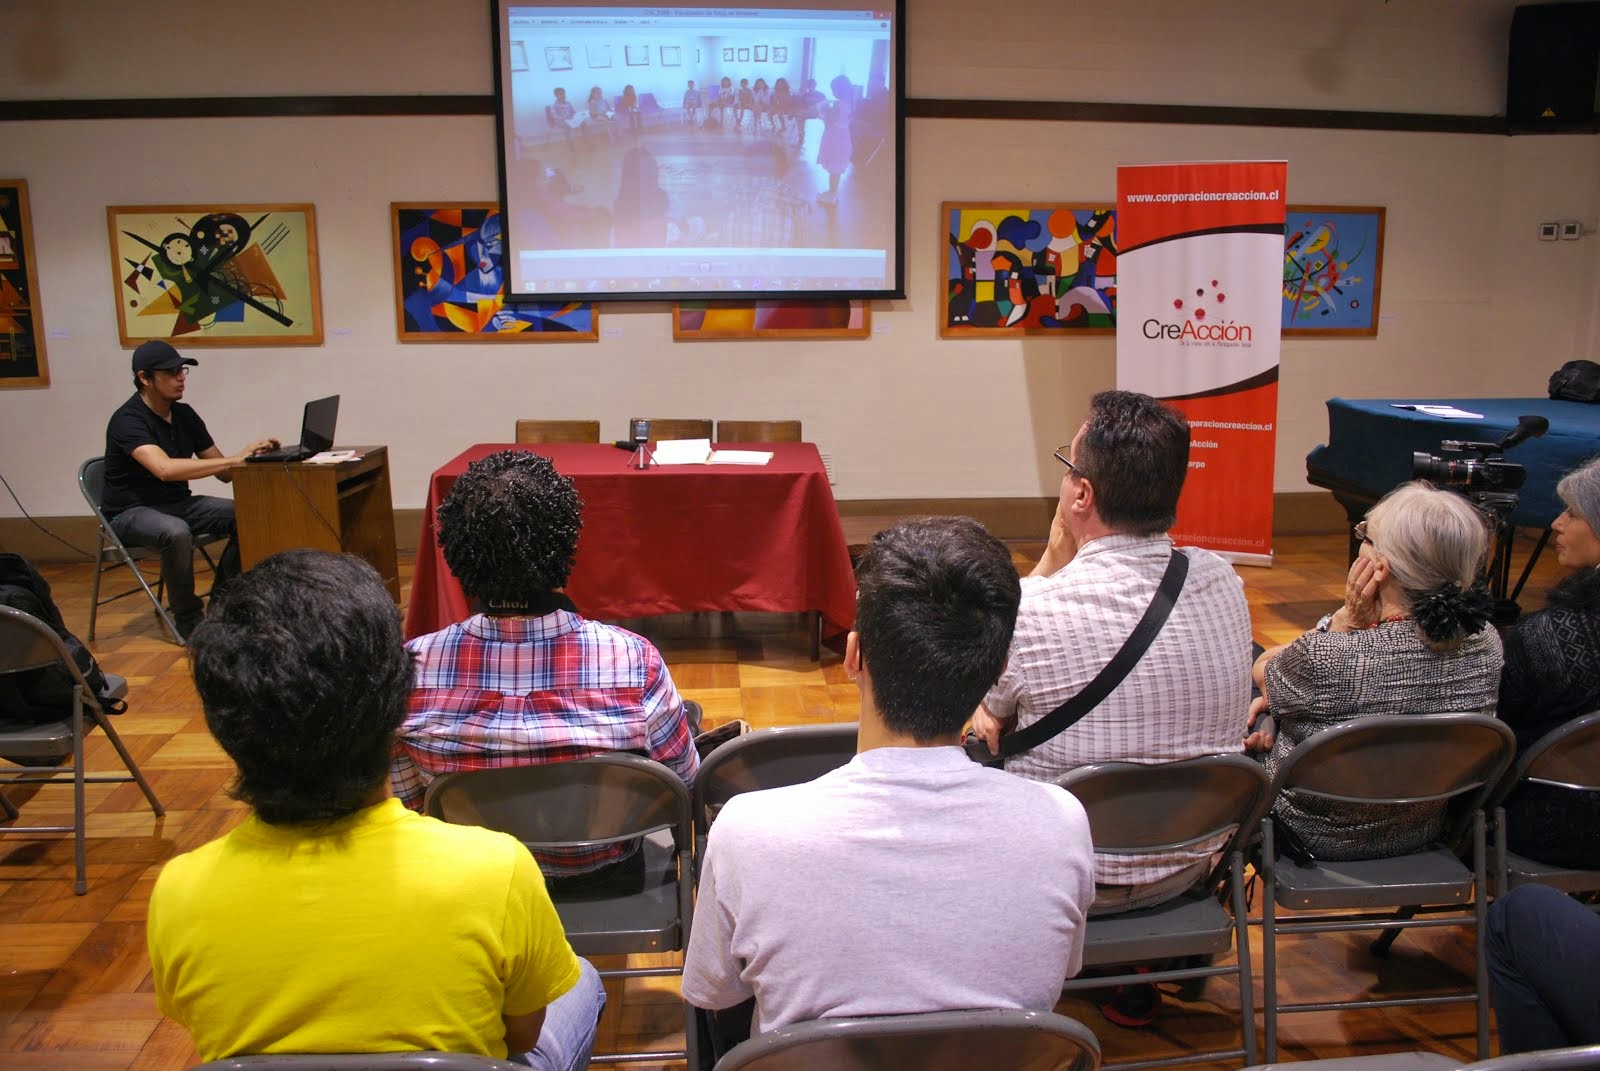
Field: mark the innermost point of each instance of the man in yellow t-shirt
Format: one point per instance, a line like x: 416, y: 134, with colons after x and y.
x: 333, y: 919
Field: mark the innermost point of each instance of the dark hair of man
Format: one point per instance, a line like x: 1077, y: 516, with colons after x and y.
x: 509, y: 530
x: 1135, y: 454
x: 936, y: 602
x: 303, y: 673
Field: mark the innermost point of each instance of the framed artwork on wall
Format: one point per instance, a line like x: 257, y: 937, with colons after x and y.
x: 761, y: 53
x: 671, y: 56
x: 443, y: 291
x: 22, y: 357
x: 636, y: 55
x: 727, y: 55
x: 780, y: 53
x: 744, y: 55
x: 1027, y: 268
x: 598, y: 55
x: 557, y: 58
x: 1332, y: 270
x: 219, y: 274
x: 706, y: 320
x: 519, y: 56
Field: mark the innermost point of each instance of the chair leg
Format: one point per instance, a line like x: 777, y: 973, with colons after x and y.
x: 1241, y: 940
x: 127, y: 761
x: 1387, y: 938
x: 94, y: 592
x: 81, y: 885
x: 10, y: 810
x: 1269, y: 950
x: 1480, y: 908
x: 814, y: 623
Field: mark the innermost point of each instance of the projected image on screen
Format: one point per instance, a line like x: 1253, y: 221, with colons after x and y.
x: 687, y: 152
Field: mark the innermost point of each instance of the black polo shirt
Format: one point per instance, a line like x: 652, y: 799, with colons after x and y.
x: 135, y: 424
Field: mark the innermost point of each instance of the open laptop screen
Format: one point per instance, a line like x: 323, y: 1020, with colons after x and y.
x: 316, y: 430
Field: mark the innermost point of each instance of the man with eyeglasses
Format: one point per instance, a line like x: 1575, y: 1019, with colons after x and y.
x: 1108, y: 549
x: 155, y: 444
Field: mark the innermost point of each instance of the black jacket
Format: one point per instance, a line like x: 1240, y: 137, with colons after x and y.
x: 40, y: 695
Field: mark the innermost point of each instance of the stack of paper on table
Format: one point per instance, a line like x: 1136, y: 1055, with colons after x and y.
x: 699, y: 452
x: 1447, y: 411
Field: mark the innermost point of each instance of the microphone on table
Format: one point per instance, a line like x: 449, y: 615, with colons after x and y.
x: 1528, y: 427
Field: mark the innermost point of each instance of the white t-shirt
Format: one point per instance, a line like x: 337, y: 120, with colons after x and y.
x: 909, y: 880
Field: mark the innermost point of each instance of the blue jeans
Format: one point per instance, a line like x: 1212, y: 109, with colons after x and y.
x: 1543, y: 946
x: 567, y: 1037
x: 170, y: 528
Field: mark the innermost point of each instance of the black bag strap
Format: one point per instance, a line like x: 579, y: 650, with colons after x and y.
x: 1094, y: 693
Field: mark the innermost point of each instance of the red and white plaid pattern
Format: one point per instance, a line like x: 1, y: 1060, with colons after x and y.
x: 516, y: 691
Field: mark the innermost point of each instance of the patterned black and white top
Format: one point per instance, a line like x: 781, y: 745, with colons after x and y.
x: 1326, y: 678
x: 1553, y: 676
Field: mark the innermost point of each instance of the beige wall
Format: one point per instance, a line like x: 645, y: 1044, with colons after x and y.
x: 1473, y: 304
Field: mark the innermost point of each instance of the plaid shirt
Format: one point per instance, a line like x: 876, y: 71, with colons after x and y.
x: 514, y: 691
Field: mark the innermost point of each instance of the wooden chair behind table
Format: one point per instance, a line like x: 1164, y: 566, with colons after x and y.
x: 662, y: 428
x: 758, y: 431
x: 558, y: 431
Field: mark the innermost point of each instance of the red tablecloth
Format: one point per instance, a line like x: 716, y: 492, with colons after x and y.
x: 675, y: 539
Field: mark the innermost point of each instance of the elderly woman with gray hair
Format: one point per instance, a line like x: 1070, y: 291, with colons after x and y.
x: 1552, y: 676
x: 1412, y: 637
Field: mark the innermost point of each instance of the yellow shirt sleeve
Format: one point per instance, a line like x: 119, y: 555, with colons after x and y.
x: 539, y: 963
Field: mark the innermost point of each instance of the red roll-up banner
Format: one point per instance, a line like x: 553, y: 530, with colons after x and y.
x: 1200, y: 276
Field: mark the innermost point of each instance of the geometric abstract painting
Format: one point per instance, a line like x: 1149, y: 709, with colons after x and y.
x: 22, y: 362
x: 449, y: 282
x: 1332, y: 270
x: 216, y: 275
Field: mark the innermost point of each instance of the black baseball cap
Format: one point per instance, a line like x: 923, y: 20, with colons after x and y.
x: 157, y: 355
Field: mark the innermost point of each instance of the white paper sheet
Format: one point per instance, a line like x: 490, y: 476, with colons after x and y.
x: 1449, y: 412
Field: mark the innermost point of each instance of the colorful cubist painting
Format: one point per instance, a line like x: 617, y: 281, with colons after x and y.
x: 1332, y: 270
x: 216, y: 275
x: 450, y: 283
x: 22, y: 361
x: 696, y: 320
x: 1022, y: 269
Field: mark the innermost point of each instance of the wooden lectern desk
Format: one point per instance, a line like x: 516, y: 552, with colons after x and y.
x: 344, y: 507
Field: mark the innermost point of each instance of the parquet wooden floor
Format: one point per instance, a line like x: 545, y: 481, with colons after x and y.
x: 75, y: 987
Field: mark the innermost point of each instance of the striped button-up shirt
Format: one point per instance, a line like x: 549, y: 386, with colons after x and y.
x: 515, y: 691
x: 1188, y: 696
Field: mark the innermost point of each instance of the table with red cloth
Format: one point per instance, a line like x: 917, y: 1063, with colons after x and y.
x: 674, y: 539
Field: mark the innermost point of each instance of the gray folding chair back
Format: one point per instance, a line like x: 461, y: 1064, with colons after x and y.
x: 1580, y: 1058
x: 1567, y: 760
x: 929, y: 1041
x: 369, y: 1061
x: 604, y: 799
x: 1135, y: 808
x: 112, y: 553
x: 28, y: 644
x: 1388, y: 759
x: 768, y: 758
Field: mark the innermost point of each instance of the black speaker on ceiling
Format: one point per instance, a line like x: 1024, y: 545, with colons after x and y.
x: 1553, y: 73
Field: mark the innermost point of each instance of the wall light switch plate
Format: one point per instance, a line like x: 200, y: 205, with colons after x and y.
x: 1571, y: 230
x: 1549, y: 232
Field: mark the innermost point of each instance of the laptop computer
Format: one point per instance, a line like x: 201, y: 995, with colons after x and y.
x: 316, y: 432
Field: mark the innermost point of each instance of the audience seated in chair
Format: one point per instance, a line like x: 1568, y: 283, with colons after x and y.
x: 1552, y: 675
x: 866, y: 891
x: 1543, y: 947
x: 333, y: 919
x: 1106, y: 554
x: 1412, y: 637
x: 527, y: 679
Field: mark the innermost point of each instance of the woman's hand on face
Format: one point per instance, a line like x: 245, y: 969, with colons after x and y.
x: 1361, y: 594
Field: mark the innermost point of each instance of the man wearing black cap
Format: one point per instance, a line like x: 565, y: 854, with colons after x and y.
x: 154, y: 446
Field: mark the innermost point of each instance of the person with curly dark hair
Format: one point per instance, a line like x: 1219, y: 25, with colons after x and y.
x: 1412, y: 637
x: 333, y: 919
x: 526, y: 679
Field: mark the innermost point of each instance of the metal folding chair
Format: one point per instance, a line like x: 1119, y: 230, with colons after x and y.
x: 590, y: 802
x: 928, y: 1041
x: 366, y: 1061
x: 1136, y: 808
x: 766, y: 758
x: 26, y: 643
x: 114, y: 554
x: 1388, y: 759
x: 1567, y: 759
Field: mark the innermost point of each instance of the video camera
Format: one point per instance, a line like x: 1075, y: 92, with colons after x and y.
x: 1489, y: 471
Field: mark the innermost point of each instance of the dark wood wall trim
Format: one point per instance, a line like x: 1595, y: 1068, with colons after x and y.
x: 916, y: 108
